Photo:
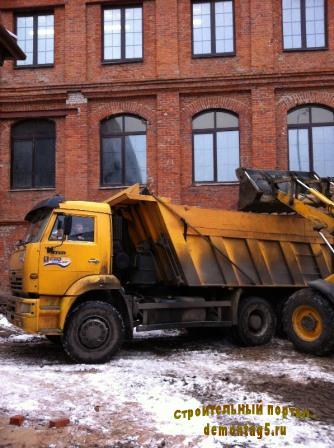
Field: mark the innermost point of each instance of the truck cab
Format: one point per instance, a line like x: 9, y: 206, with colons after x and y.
x: 52, y: 263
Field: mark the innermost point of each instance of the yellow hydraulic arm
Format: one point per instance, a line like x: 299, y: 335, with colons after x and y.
x: 322, y: 217
x: 303, y: 192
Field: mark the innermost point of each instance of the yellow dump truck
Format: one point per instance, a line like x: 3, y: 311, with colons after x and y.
x: 88, y: 273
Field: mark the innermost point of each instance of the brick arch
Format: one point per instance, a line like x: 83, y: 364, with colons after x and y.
x: 123, y: 108
x: 202, y: 104
x: 288, y: 102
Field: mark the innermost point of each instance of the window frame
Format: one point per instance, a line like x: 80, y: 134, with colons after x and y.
x: 213, y: 131
x: 212, y: 54
x: 33, y: 174
x: 122, y: 135
x: 308, y: 127
x: 303, y: 29
x: 35, y: 14
x: 52, y: 227
x: 123, y: 59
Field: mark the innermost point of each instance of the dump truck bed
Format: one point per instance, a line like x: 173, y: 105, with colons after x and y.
x: 207, y: 247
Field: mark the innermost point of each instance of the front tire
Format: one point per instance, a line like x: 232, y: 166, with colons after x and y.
x: 256, y: 322
x: 308, y: 320
x: 94, y: 332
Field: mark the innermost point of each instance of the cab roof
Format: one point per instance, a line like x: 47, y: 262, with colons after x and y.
x: 85, y: 206
x: 57, y: 202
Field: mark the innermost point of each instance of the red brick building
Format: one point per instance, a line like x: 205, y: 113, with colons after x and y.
x: 173, y: 93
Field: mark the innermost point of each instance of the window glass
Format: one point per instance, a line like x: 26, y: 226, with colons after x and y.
x: 112, y: 34
x: 22, y: 164
x: 112, y: 161
x: 216, y: 152
x: 123, y: 34
x: 133, y: 33
x: 299, y: 116
x: 224, y: 27
x: 39, y: 51
x: 135, y: 159
x: 303, y: 24
x: 33, y: 154
x: 133, y: 124
x: 213, y: 31
x: 226, y: 120
x: 123, y: 151
x: 82, y: 229
x: 45, y: 33
x: 299, y: 150
x: 203, y: 158
x: 321, y: 115
x: 227, y: 155
x: 25, y: 38
x: 311, y: 142
x: 44, y: 162
x: 323, y: 154
x: 36, y: 229
x: 204, y: 121
x: 57, y: 231
x: 112, y: 126
x: 202, y: 28
x: 315, y: 23
x: 292, y: 24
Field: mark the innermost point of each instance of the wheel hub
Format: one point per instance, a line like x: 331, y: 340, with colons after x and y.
x: 93, y: 333
x: 255, y: 322
x: 307, y: 323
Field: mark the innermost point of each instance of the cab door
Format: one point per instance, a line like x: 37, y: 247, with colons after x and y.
x: 62, y: 262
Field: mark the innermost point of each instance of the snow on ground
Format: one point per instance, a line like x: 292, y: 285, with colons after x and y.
x: 130, y: 402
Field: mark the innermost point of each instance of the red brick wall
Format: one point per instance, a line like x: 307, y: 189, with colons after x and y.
x: 9, y: 234
x: 260, y: 83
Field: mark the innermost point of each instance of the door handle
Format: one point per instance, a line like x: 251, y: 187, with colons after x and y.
x: 94, y: 260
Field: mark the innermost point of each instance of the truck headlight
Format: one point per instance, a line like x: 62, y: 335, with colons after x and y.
x: 24, y: 308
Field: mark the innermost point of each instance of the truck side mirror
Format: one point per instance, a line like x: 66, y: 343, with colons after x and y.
x: 67, y: 225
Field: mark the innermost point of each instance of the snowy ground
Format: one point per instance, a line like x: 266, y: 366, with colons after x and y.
x: 130, y: 402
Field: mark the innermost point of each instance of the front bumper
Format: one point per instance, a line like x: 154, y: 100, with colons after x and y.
x: 23, y: 313
x: 34, y: 315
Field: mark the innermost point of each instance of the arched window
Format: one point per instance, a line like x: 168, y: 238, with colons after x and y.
x: 311, y: 140
x: 123, y: 150
x: 215, y: 146
x: 33, y: 154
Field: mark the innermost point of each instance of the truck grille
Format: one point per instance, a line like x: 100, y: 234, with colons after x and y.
x: 16, y: 281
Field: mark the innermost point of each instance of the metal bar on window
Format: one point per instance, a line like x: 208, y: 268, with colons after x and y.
x: 123, y: 35
x: 213, y: 26
x: 303, y: 22
x: 35, y: 40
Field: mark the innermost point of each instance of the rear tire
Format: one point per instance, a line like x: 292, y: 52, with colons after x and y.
x: 94, y: 332
x: 308, y: 320
x: 256, y: 322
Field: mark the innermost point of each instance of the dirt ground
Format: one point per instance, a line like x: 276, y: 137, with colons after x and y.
x: 130, y: 402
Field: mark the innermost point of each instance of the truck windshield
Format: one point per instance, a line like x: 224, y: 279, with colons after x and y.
x: 36, y: 229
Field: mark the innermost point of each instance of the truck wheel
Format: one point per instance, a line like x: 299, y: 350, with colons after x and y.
x: 308, y: 320
x: 94, y: 331
x: 256, y: 322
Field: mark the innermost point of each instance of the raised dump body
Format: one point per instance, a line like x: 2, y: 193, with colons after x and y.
x: 205, y: 247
